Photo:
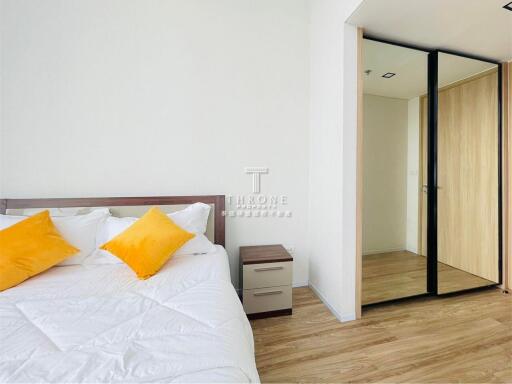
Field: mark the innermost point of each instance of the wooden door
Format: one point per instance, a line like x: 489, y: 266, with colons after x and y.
x: 468, y: 176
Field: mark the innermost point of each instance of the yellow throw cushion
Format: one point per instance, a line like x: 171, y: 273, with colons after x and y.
x: 30, y: 247
x: 148, y: 243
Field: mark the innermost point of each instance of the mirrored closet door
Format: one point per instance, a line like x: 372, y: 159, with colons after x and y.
x: 468, y: 215
x: 431, y: 166
x: 394, y: 261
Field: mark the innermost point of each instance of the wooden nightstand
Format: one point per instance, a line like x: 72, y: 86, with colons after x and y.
x: 266, y: 281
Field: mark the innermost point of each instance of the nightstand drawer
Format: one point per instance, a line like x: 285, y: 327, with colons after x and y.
x: 267, y: 275
x: 267, y: 299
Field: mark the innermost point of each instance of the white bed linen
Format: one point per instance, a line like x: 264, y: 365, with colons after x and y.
x: 99, y: 323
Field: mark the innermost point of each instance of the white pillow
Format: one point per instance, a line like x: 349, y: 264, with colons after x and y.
x: 7, y: 220
x: 194, y: 219
x: 80, y: 231
x: 57, y: 212
x: 195, y: 246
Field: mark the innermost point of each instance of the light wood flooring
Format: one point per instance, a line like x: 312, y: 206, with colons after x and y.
x: 393, y: 275
x: 458, y: 339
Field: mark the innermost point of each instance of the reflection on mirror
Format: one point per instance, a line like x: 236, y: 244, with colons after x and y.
x: 394, y: 254
x: 467, y: 192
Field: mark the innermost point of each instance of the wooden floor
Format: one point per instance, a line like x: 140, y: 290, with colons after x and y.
x: 392, y: 275
x: 459, y: 339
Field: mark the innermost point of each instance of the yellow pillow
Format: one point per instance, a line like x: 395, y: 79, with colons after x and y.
x: 148, y: 243
x: 30, y: 247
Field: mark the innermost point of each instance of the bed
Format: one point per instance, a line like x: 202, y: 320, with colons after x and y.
x: 99, y: 323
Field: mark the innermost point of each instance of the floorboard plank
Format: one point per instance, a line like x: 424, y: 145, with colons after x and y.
x: 394, y: 275
x: 458, y: 339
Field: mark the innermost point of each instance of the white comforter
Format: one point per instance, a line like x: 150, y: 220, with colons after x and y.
x: 99, y: 323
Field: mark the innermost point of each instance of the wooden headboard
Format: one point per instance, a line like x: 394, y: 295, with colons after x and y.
x: 217, y: 201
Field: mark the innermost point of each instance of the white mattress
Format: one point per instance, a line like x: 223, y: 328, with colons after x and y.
x: 99, y: 323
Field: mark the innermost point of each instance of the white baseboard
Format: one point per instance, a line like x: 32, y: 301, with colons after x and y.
x: 341, y: 317
x: 377, y: 251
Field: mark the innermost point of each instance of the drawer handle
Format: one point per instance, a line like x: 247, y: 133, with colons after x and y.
x: 268, y: 293
x: 267, y: 269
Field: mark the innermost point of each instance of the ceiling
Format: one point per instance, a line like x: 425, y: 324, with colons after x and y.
x: 410, y: 67
x: 478, y: 27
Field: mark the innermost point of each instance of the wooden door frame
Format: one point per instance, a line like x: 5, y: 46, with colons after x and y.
x: 506, y: 181
x: 359, y: 176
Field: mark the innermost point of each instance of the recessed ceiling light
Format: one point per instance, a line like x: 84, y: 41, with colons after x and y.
x: 388, y: 75
x: 508, y: 6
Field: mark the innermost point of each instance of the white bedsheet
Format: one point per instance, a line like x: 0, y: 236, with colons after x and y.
x: 99, y: 323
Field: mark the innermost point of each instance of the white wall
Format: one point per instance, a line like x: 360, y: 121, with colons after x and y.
x: 106, y: 97
x: 385, y: 174
x: 391, y: 169
x: 413, y: 164
x: 349, y: 175
x: 176, y: 97
x: 332, y: 153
